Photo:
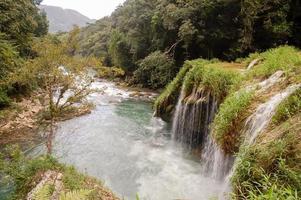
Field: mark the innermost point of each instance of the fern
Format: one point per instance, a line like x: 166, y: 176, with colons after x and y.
x: 76, y: 195
x: 44, y: 193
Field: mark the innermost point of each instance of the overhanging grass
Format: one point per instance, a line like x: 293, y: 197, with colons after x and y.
x: 212, y: 77
x: 171, y: 93
x: 288, y: 108
x: 271, y: 168
x: 228, y: 119
x: 208, y: 74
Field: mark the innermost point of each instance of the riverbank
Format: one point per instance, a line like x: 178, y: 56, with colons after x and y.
x: 24, y: 123
x: 44, y: 178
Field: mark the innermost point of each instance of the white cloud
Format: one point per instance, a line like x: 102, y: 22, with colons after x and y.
x: 94, y: 9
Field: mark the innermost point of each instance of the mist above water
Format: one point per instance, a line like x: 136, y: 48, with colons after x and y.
x: 132, y: 152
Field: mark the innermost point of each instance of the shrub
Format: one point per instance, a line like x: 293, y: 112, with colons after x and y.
x: 24, y: 173
x: 110, y: 72
x: 155, y: 71
x: 4, y: 99
x: 226, y: 123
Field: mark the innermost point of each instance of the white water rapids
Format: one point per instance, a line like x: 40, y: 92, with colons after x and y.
x: 132, y: 152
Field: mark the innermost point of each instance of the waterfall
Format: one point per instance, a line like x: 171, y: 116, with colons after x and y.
x: 191, y: 127
x: 193, y: 116
x: 215, y: 163
x: 260, y: 119
x: 256, y: 124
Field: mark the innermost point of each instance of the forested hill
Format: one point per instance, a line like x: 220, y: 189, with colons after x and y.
x: 191, y: 29
x: 64, y: 19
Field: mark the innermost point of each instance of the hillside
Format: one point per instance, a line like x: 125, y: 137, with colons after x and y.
x: 63, y: 19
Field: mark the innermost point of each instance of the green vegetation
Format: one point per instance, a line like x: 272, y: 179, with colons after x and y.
x: 211, y: 76
x: 168, y: 98
x: 187, y: 30
x: 288, y: 108
x: 233, y: 111
x: 25, y: 173
x: 19, y: 24
x: 226, y: 125
x: 155, y: 71
x: 110, y: 72
x: 271, y: 169
x: 285, y: 58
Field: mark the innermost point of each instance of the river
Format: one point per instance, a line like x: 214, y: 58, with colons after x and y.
x: 132, y: 152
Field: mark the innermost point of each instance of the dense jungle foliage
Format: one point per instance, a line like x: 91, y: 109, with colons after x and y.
x: 190, y: 29
x: 20, y: 23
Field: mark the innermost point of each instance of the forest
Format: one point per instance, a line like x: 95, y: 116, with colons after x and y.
x: 151, y: 35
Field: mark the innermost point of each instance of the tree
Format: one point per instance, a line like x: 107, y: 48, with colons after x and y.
x: 155, y: 71
x: 62, y: 76
x: 119, y: 51
x: 20, y: 21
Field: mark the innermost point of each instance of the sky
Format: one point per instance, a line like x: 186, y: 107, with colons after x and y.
x: 94, y: 9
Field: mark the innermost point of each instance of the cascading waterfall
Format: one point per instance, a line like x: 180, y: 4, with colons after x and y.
x: 193, y: 116
x: 215, y: 163
x: 259, y: 120
x: 257, y: 123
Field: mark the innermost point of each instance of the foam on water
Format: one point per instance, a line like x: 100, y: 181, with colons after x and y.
x: 121, y: 143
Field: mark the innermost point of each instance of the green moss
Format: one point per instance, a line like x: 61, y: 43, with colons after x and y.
x: 284, y: 58
x: 288, y: 108
x: 208, y: 74
x: 170, y: 94
x: 271, y: 169
x: 226, y: 123
x: 213, y: 77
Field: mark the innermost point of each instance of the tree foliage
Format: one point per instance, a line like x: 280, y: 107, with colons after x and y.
x: 20, y: 22
x: 191, y: 29
x: 155, y: 71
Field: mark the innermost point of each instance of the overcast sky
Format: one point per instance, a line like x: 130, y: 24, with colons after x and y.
x: 94, y: 9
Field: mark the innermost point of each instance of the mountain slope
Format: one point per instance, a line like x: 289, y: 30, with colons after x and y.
x: 63, y: 19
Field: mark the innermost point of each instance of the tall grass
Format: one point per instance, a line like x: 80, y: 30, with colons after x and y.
x: 228, y: 119
x: 285, y: 58
x: 288, y: 108
x: 213, y: 77
x: 271, y: 169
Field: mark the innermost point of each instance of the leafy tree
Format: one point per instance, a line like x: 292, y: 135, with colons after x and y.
x: 189, y: 29
x: 120, y: 51
x: 9, y: 61
x: 18, y: 22
x: 62, y: 76
x: 155, y: 71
